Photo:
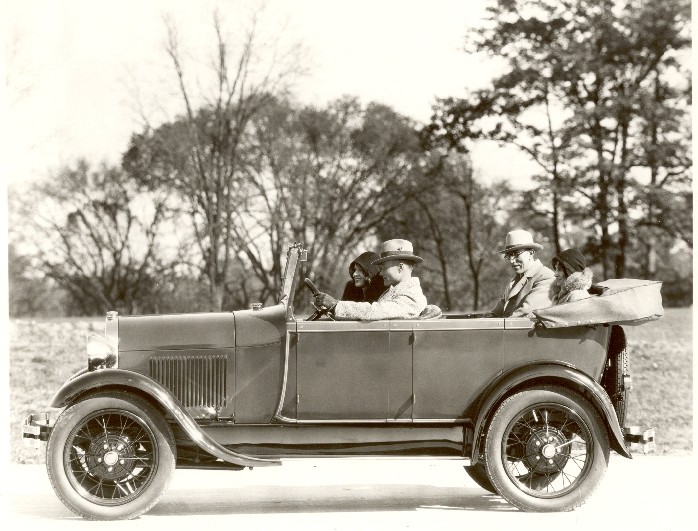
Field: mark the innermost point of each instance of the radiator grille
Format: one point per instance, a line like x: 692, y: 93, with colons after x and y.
x: 196, y: 381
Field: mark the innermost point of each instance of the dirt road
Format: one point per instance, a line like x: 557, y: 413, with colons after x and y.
x: 649, y: 492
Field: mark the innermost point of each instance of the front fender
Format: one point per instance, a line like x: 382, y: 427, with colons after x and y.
x: 547, y: 373
x: 119, y: 378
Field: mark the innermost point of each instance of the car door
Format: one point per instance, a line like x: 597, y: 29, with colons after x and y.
x: 454, y: 360
x: 346, y: 370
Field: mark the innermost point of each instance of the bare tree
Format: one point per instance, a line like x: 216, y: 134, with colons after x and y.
x: 327, y: 177
x: 200, y: 156
x: 97, y: 236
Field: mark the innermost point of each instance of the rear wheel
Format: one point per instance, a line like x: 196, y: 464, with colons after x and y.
x: 110, y: 457
x: 546, y: 449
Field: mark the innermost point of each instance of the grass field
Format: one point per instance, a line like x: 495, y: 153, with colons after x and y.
x: 43, y: 354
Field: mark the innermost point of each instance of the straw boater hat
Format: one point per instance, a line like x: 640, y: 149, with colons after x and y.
x: 397, y: 250
x: 520, y: 239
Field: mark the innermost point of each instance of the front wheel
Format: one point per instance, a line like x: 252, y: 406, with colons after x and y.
x: 546, y: 449
x: 110, y: 457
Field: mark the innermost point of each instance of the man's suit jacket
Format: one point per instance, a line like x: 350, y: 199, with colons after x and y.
x: 531, y: 292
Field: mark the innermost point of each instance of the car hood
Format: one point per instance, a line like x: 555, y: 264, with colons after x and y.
x: 202, y: 330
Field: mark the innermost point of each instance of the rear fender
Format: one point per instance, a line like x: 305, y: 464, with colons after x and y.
x: 128, y: 380
x: 547, y: 373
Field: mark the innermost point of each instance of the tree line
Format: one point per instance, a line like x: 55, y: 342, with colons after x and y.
x: 199, y: 211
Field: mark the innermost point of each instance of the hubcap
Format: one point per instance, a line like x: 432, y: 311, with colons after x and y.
x: 548, y: 451
x: 110, y: 458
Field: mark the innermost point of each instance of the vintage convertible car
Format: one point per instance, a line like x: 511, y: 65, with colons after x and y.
x: 531, y: 407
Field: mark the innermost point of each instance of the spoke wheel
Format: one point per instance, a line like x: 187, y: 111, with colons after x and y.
x: 110, y: 457
x: 546, y: 449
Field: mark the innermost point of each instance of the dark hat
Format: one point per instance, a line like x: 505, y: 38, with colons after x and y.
x: 365, y: 260
x: 571, y: 261
x: 397, y: 250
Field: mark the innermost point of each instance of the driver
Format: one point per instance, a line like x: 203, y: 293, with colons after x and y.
x: 403, y: 299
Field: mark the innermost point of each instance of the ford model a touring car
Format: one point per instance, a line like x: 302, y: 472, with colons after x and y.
x: 532, y: 407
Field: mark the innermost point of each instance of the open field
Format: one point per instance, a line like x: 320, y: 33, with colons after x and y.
x: 44, y: 353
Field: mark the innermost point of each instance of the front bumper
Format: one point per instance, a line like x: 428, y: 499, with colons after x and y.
x: 37, y: 428
x: 639, y: 438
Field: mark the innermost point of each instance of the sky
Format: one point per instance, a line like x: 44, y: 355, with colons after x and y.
x: 81, y: 73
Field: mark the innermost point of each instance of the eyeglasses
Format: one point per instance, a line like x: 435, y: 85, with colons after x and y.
x: 514, y: 254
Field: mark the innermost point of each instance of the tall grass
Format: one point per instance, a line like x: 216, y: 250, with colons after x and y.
x: 661, y: 365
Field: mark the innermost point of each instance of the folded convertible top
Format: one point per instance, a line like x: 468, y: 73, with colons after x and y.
x: 624, y: 301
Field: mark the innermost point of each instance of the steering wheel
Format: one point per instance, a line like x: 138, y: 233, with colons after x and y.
x: 319, y: 312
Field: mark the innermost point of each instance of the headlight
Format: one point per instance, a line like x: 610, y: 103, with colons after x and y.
x: 99, y: 353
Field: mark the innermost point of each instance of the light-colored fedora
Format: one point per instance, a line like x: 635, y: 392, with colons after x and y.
x: 520, y: 239
x: 397, y: 250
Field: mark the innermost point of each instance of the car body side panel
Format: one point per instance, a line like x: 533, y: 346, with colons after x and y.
x: 259, y: 363
x: 399, y: 384
x: 343, y: 371
x: 258, y: 376
x: 583, y: 347
x: 454, y: 365
x: 451, y: 368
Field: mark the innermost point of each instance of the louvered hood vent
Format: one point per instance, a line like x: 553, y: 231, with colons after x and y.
x: 197, y: 381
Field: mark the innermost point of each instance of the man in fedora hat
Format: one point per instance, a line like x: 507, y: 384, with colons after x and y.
x: 530, y: 288
x: 402, y: 300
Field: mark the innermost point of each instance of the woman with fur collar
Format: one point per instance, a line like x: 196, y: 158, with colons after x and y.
x: 572, y: 277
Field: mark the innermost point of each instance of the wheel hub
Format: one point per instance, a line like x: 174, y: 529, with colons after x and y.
x: 547, y: 450
x: 111, y: 457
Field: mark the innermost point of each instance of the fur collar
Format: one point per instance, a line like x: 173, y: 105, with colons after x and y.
x: 577, y: 281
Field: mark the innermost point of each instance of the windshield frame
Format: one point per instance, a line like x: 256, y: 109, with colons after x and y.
x: 289, y: 281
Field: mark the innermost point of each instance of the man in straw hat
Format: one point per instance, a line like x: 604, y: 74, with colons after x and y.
x: 402, y: 300
x: 530, y: 288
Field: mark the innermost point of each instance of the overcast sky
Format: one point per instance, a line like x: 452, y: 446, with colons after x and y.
x: 72, y: 67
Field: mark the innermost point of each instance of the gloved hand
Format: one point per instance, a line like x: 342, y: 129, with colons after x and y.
x: 323, y: 300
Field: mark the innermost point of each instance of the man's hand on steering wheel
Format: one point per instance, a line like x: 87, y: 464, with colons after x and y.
x: 325, y: 301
